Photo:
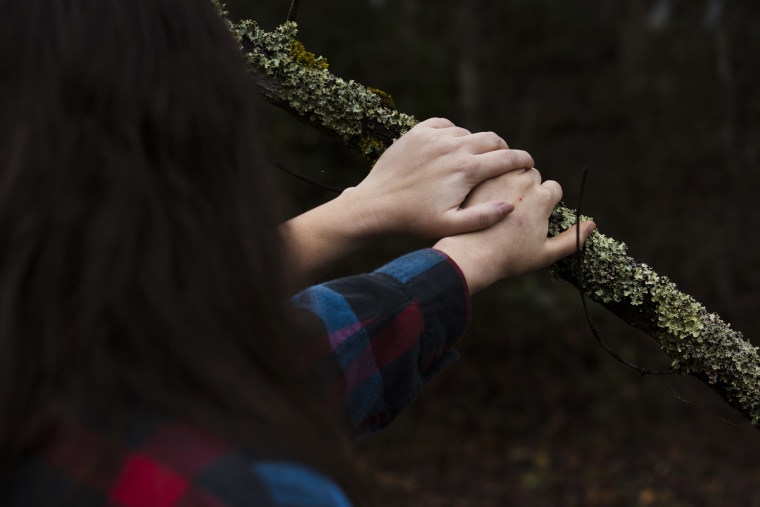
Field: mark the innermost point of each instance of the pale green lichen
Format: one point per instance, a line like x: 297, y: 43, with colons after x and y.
x: 346, y: 108
x: 222, y: 9
x: 699, y: 342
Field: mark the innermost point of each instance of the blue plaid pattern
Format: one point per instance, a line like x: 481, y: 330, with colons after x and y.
x: 379, y: 337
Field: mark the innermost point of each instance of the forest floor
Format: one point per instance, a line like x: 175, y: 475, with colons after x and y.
x: 552, y: 420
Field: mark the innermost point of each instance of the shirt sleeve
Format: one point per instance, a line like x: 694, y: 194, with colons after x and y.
x: 293, y: 485
x: 380, y: 337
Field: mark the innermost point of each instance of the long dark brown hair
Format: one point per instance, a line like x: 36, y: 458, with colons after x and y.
x: 139, y: 259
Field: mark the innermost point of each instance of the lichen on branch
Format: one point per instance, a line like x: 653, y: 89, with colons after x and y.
x: 299, y: 81
x: 698, y: 342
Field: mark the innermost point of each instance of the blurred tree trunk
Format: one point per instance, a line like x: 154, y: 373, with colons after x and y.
x: 633, y: 43
x: 467, y: 33
x: 699, y: 342
x: 719, y: 21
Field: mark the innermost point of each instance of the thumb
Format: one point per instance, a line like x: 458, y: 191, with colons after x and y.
x: 565, y: 244
x: 482, y: 215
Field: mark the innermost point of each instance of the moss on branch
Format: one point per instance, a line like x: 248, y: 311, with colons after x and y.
x: 300, y: 82
x: 698, y: 342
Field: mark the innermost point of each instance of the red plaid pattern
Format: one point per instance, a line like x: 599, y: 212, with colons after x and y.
x: 381, y: 337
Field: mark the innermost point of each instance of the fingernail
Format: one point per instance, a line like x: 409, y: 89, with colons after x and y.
x: 506, y: 207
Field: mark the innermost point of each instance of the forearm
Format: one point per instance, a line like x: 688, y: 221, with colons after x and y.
x: 415, y: 189
x: 321, y: 237
x: 478, y: 271
x: 379, y: 337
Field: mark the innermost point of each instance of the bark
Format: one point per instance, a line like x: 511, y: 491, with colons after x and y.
x: 698, y: 342
x: 297, y: 81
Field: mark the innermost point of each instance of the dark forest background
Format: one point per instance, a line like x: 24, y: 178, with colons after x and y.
x: 659, y: 100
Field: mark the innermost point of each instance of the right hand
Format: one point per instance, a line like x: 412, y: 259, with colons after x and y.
x: 418, y: 185
x: 518, y: 244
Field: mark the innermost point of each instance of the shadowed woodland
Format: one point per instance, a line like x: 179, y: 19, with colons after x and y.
x: 658, y: 99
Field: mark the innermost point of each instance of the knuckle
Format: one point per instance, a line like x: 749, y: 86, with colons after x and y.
x: 497, y: 141
x: 526, y: 159
x: 554, y: 190
x: 519, y: 158
x: 448, y: 144
x: 484, y: 220
x: 437, y: 123
x: 514, y: 158
x: 468, y: 163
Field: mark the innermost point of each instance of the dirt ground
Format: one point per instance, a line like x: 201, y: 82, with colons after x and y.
x: 550, y: 419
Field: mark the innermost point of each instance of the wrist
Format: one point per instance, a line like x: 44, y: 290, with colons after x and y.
x: 359, y: 216
x: 322, y: 236
x: 478, y: 271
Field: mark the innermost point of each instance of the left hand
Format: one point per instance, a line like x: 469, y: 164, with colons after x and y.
x: 418, y: 185
x: 519, y: 243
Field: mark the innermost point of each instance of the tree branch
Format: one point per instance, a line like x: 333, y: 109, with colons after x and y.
x: 297, y: 81
x: 698, y: 342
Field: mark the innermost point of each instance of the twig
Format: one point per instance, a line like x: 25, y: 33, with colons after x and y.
x: 303, y: 177
x: 293, y: 10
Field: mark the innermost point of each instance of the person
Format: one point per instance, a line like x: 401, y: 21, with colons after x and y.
x: 160, y: 345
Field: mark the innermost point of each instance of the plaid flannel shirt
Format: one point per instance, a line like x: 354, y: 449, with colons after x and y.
x: 381, y: 337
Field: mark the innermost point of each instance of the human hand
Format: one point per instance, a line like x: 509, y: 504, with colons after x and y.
x: 417, y: 186
x: 519, y: 243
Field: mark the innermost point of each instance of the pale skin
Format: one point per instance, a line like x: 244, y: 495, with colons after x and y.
x: 415, y: 189
x: 439, y: 181
x: 518, y: 244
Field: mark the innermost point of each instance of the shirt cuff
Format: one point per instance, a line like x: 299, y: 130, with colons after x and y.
x: 434, y: 280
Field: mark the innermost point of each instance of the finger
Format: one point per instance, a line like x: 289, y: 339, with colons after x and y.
x: 437, y: 123
x: 554, y: 189
x: 496, y: 163
x: 565, y: 244
x: 535, y: 174
x: 455, y: 131
x: 481, y: 216
x: 484, y: 142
